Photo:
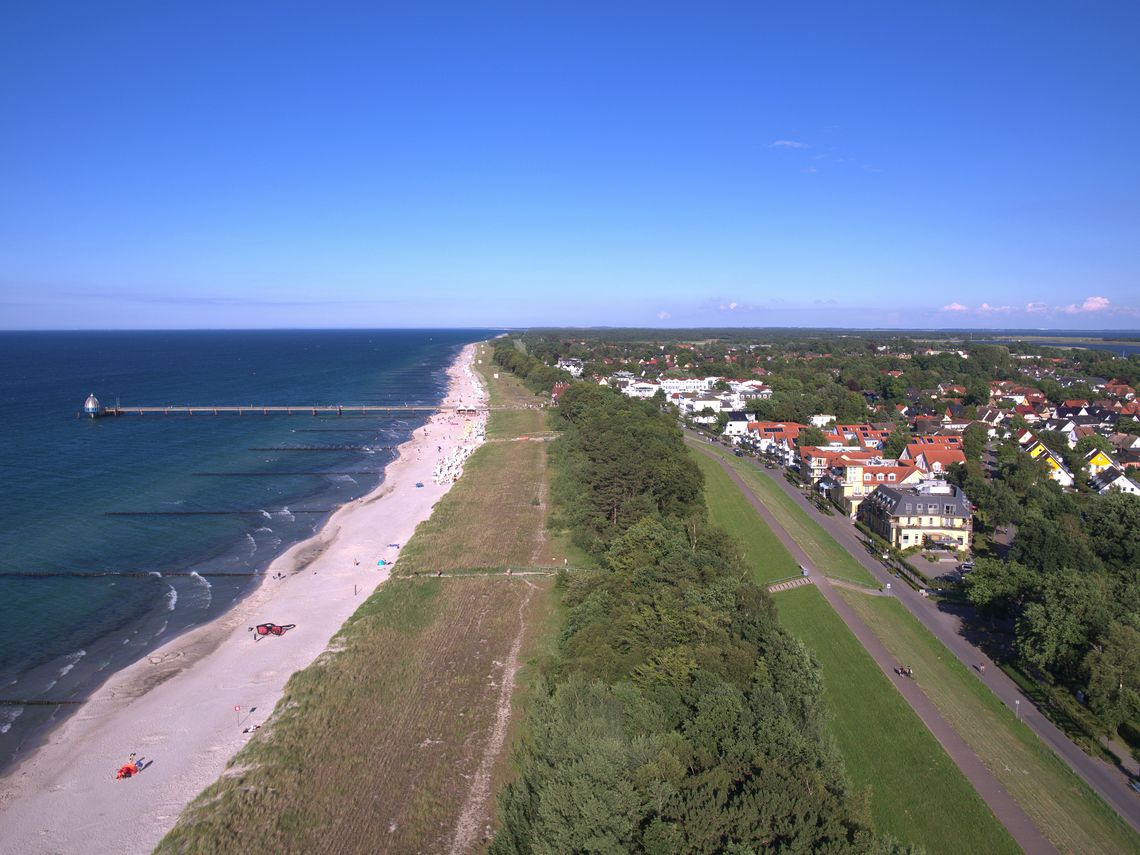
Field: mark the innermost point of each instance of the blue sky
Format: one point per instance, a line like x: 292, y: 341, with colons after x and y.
x: 648, y: 164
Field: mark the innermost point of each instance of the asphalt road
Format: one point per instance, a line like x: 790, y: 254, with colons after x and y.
x: 1108, y: 781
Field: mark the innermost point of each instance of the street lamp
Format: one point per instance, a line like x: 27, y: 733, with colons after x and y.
x: 1017, y: 708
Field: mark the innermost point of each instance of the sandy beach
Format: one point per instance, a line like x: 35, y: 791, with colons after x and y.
x: 185, y: 707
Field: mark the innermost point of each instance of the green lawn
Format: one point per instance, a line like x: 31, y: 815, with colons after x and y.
x: 765, y: 554
x: 917, y: 793
x: 812, y: 538
x: 1073, y: 817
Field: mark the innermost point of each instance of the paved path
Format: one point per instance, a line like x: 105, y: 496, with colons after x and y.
x: 1108, y: 781
x: 1007, y: 811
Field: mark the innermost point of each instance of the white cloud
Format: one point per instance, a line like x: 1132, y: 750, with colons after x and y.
x: 1094, y: 304
x: 955, y: 307
x: 987, y: 309
x: 788, y: 144
x: 1091, y: 304
x: 664, y: 316
x: 1035, y: 308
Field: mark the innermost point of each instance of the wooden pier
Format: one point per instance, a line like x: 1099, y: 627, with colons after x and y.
x: 305, y: 409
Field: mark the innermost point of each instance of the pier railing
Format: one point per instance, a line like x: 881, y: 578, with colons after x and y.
x: 304, y: 409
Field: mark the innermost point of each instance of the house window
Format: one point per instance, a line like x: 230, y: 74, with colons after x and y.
x: 908, y: 508
x: 880, y: 478
x: 866, y: 476
x: 948, y: 510
x: 931, y: 508
x: 891, y: 477
x: 906, y: 538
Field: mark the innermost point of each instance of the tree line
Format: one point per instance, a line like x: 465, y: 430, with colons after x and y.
x: 535, y: 374
x: 676, y: 715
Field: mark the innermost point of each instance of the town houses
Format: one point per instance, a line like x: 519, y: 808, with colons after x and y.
x: 1073, y: 434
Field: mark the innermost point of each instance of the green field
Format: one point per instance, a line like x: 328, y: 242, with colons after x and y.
x: 821, y: 548
x: 917, y: 793
x: 1073, y: 817
x: 730, y: 510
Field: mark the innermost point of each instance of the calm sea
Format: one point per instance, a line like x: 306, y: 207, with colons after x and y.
x: 84, y: 589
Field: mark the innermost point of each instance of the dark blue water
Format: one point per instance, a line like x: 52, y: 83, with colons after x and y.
x: 61, y: 633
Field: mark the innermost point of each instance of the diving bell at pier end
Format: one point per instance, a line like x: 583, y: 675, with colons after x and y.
x: 91, y: 407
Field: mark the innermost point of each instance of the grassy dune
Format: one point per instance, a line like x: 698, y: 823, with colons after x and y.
x: 917, y: 793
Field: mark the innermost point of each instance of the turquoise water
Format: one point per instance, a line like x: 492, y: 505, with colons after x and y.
x: 85, y: 590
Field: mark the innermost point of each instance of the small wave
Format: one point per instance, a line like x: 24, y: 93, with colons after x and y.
x: 265, y: 513
x: 263, y: 528
x: 72, y: 659
x: 155, y: 573
x: 8, y: 715
x: 206, y: 584
x: 252, y: 543
x: 171, y: 599
x: 285, y: 512
x: 161, y: 629
x: 344, y: 479
x: 50, y: 686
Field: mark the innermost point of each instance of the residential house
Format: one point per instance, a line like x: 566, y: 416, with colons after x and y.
x: 1113, y: 479
x: 641, y: 388
x: 737, y: 424
x: 1057, y: 469
x: 932, y: 458
x: 932, y: 513
x: 776, y: 439
x: 1119, y: 389
x: 850, y: 481
x: 573, y: 367
x: 815, y: 461
x: 1096, y: 461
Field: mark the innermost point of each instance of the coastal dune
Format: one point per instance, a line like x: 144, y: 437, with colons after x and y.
x: 186, y: 708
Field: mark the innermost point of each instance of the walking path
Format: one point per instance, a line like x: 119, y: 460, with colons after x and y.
x: 1109, y: 782
x: 1007, y: 811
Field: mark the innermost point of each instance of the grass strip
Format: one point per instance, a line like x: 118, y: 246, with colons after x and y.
x: 917, y: 794
x: 821, y: 547
x: 1070, y: 814
x: 728, y: 508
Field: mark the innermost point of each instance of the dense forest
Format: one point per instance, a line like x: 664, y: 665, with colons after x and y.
x: 677, y: 715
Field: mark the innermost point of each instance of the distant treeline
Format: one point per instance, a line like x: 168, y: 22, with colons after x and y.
x: 677, y: 716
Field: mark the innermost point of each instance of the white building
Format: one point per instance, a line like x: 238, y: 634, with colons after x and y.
x: 672, y: 385
x: 573, y: 367
x: 641, y: 388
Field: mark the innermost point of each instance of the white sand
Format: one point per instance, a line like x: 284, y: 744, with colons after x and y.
x: 176, y: 707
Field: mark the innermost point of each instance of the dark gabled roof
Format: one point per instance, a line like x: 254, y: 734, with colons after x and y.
x: 893, y: 501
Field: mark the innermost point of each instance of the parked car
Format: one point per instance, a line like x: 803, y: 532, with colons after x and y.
x: 1134, y: 785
